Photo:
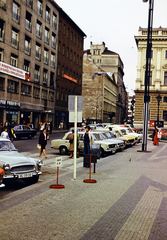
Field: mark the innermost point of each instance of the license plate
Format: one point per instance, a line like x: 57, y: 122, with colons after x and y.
x: 25, y: 175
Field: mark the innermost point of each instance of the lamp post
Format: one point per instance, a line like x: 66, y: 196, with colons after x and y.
x: 97, y: 104
x: 84, y: 84
x: 132, y: 109
x: 158, y: 99
x: 147, y: 75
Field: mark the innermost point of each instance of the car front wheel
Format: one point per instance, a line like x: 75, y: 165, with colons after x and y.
x: 63, y: 150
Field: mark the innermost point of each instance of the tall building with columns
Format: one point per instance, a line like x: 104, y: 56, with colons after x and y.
x: 158, y: 75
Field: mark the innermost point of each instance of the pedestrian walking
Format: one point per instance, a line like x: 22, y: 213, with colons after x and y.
x: 61, y: 125
x: 43, y: 137
x: 155, y: 136
x: 88, y: 141
x: 11, y: 134
x: 5, y: 134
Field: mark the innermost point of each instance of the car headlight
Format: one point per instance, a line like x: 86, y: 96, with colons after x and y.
x: 39, y: 164
x: 6, y: 167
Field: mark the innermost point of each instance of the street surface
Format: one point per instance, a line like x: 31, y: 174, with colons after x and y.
x: 129, y: 200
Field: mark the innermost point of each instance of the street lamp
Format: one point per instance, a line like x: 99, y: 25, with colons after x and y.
x: 84, y: 84
x: 98, y: 105
x: 147, y: 75
x: 158, y: 99
x: 132, y: 109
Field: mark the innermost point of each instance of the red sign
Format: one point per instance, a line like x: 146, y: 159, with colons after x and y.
x: 69, y: 78
x: 13, y: 71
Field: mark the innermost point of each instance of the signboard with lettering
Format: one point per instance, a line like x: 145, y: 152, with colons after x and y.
x: 13, y: 71
x: 9, y: 103
x: 58, y: 162
x: 69, y: 78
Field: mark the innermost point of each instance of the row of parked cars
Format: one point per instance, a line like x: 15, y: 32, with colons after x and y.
x: 110, y: 141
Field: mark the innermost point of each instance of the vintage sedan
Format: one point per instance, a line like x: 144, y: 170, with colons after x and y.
x: 130, y: 140
x: 16, y: 165
x: 22, y: 130
x: 63, y: 144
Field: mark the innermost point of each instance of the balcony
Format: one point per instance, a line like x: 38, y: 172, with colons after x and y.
x: 2, y: 5
x: 28, y: 26
x: 36, y: 78
x: 39, y: 11
x: 27, y: 50
x: 2, y: 35
x: 30, y: 3
x: 15, y: 43
x: 39, y: 34
x: 16, y: 17
x: 38, y: 56
x: 46, y: 60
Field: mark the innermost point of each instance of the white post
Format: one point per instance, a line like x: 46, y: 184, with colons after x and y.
x: 75, y: 137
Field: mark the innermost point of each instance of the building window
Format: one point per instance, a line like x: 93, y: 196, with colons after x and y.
x: 26, y: 66
x: 2, y: 34
x: 66, y: 96
x: 98, y: 52
x: 71, y: 36
x: 64, y: 29
x: 52, y: 60
x: 71, y: 55
x: 67, y: 52
x: 45, y: 77
x: 53, y: 41
x: 165, y: 99
x: 54, y: 21
x: 165, y: 116
x: 165, y: 78
x: 94, y: 52
x: 47, y: 15
x: 37, y: 74
x: 62, y: 72
x: 51, y: 96
x: 59, y: 47
x: 2, y: 83
x: 38, y: 52
x: 78, y: 42
x: 57, y: 94
x: 1, y: 54
x: 62, y: 95
x: 44, y: 94
x: 47, y: 36
x: 58, y: 70
x: 30, y: 3
x: 25, y: 89
x: 80, y: 64
x: 16, y: 13
x: 27, y: 46
x: 28, y: 22
x: 15, y: 39
x: 151, y: 54
x: 51, y: 80
x: 13, y: 60
x: 36, y: 92
x: 63, y: 49
x: 13, y: 86
x: 60, y: 25
x: 68, y: 32
x: 74, y: 57
x: 46, y: 59
x: 77, y: 59
x: 166, y: 54
x: 39, y: 30
x: 39, y: 8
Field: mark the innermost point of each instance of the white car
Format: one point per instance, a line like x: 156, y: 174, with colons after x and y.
x: 16, y: 165
x: 63, y: 144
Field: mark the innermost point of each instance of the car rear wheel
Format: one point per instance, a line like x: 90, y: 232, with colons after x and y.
x: 102, y: 153
x: 63, y: 150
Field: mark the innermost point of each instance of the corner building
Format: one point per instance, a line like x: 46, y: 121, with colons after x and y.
x: 28, y: 45
x: 158, y: 75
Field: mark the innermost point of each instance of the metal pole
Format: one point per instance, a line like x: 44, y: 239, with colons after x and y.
x: 75, y: 137
x: 158, y: 115
x: 147, y: 76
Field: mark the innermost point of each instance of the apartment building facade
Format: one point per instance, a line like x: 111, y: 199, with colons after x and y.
x: 70, y: 65
x: 158, y: 75
x: 28, y: 60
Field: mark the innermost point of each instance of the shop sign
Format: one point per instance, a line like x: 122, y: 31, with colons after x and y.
x: 13, y: 71
x: 13, y: 104
x: 2, y: 102
x: 69, y: 78
x: 12, y: 112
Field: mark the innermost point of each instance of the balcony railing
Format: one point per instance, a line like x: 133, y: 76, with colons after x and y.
x: 46, y: 60
x: 2, y: 36
x: 30, y: 3
x: 15, y: 43
x: 38, y: 56
x: 28, y: 51
x: 39, y: 11
x: 2, y: 5
x: 28, y: 26
x: 36, y: 78
x: 16, y: 17
x: 39, y: 34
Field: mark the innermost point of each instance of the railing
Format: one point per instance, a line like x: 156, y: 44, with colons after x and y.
x: 2, y: 5
x: 16, y: 17
x: 15, y: 43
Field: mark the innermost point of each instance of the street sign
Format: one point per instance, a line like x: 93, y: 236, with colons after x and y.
x: 58, y: 162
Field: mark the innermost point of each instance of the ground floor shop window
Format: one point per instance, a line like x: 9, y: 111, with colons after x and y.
x: 13, y: 86
x: 165, y: 115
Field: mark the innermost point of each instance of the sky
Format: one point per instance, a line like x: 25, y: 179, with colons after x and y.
x: 115, y: 22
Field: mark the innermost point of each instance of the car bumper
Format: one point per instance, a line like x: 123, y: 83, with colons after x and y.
x: 22, y: 175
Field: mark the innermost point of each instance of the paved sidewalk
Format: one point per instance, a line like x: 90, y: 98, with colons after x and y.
x: 129, y: 201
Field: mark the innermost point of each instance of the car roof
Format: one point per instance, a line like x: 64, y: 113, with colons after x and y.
x: 4, y: 139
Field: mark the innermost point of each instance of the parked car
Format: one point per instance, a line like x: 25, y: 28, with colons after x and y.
x: 16, y: 165
x: 130, y: 140
x: 63, y: 144
x: 121, y: 142
x: 22, y: 130
x: 79, y: 129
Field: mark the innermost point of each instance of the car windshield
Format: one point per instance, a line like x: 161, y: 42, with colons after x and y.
x: 104, y: 136
x: 7, y: 146
x: 123, y: 131
x: 118, y: 134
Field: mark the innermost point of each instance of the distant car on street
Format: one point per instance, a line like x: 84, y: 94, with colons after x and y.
x: 17, y: 166
x: 22, y: 130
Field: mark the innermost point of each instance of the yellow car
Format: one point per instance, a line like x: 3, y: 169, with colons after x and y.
x: 130, y: 140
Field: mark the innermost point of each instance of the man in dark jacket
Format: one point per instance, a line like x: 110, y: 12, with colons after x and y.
x: 43, y: 137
